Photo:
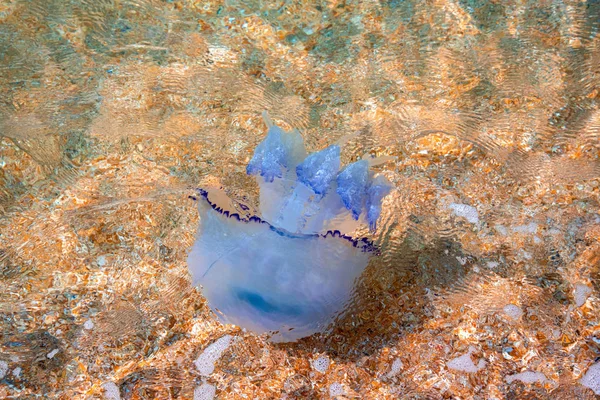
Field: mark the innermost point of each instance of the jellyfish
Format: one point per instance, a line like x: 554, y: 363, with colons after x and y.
x: 289, y: 267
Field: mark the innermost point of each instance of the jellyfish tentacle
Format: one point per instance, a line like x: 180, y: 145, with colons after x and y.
x: 352, y: 186
x: 267, y: 119
x: 378, y: 189
x: 346, y: 138
x: 299, y: 199
x: 319, y: 169
x: 291, y: 214
x: 278, y: 154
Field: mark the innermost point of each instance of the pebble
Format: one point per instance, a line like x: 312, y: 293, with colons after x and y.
x: 467, y: 212
x: 205, y: 392
x: 111, y: 391
x: 513, y: 311
x: 52, y: 353
x: 205, y: 363
x: 464, y: 363
x: 321, y: 364
x: 3, y: 368
x: 527, y: 377
x: 581, y: 293
x: 336, y: 389
x: 591, y: 379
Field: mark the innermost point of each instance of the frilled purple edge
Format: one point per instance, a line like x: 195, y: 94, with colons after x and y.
x: 364, y: 244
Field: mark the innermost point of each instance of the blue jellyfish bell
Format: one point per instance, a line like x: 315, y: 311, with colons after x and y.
x: 288, y: 268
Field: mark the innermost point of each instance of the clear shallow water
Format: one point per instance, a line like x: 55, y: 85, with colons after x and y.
x: 111, y: 111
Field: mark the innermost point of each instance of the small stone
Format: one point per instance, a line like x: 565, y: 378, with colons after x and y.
x: 336, y: 389
x: 467, y: 212
x: 527, y: 377
x: 529, y: 228
x: 205, y: 392
x: 581, y: 293
x: 462, y: 260
x: 205, y: 363
x: 464, y: 363
x: 52, y: 353
x: 111, y: 391
x: 3, y: 368
x: 101, y: 261
x: 88, y: 324
x: 321, y: 364
x: 396, y: 368
x: 513, y: 311
x: 308, y: 30
x: 591, y: 379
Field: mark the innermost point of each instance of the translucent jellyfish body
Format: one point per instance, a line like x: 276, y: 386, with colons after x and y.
x: 288, y: 268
